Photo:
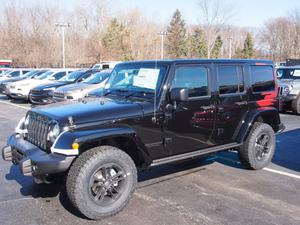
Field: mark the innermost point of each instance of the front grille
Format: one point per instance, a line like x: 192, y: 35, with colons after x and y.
x: 59, y: 94
x: 38, y: 129
x: 36, y: 92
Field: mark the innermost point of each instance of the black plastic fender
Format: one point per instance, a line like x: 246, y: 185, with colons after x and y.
x: 270, y: 115
x: 83, y: 136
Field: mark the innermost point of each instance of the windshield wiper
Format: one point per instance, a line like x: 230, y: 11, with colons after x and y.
x: 136, y: 92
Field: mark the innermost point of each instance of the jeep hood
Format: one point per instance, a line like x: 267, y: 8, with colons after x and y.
x: 91, y: 110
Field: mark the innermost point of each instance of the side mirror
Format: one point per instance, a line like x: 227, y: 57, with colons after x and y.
x: 51, y: 78
x: 179, y: 94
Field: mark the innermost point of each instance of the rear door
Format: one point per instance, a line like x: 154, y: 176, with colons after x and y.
x: 232, y: 100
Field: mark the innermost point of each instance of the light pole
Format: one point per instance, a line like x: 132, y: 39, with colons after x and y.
x: 162, y: 34
x: 63, y: 26
x: 230, y: 46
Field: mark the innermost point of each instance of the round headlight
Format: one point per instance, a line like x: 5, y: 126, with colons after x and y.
x: 286, y: 90
x: 54, y: 132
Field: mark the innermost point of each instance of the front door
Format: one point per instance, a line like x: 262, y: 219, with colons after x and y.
x: 191, y: 124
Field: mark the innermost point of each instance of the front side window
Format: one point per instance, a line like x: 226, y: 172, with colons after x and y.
x: 262, y: 78
x: 193, y: 78
x: 230, y: 79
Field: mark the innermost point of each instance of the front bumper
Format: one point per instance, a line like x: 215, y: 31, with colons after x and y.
x: 285, y: 101
x: 18, y: 94
x: 32, y: 160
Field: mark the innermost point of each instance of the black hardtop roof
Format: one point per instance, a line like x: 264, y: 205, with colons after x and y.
x: 171, y: 61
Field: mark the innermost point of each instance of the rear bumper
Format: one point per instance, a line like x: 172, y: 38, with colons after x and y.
x: 32, y: 160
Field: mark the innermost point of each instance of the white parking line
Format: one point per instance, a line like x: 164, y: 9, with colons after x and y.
x: 282, y: 173
x: 12, y: 104
x: 266, y: 169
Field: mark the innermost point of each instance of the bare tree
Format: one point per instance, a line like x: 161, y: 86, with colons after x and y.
x: 214, y: 15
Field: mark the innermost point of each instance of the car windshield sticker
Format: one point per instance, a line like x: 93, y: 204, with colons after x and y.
x: 146, y: 78
x: 296, y: 73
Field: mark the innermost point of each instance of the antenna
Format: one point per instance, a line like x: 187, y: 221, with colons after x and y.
x: 154, y: 102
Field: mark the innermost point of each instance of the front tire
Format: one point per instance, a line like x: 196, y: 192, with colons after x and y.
x: 101, y: 182
x: 296, y: 105
x: 259, y: 147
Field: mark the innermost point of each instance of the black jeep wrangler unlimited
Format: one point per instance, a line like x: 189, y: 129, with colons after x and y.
x: 151, y: 113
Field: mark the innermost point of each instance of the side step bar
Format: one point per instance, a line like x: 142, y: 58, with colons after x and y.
x: 206, y: 151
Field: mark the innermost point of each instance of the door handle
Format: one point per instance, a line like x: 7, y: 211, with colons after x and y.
x: 241, y: 103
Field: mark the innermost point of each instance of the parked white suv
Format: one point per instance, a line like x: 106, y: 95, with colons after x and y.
x: 21, y: 89
x: 14, y: 73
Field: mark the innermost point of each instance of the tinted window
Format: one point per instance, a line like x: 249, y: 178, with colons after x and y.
x: 193, y: 78
x: 230, y: 79
x: 288, y: 73
x: 14, y: 74
x: 59, y: 75
x: 262, y: 78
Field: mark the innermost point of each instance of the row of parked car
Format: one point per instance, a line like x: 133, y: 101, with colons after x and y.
x: 43, y: 86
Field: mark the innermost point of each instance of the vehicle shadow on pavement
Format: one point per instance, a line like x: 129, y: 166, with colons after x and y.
x: 174, y: 170
x: 29, y: 188
x: 287, y: 153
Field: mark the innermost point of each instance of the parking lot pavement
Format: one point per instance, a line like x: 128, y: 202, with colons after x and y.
x: 215, y: 190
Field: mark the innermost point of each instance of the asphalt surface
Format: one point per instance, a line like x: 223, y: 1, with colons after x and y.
x: 215, y: 190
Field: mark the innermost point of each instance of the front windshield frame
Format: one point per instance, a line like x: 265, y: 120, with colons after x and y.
x: 77, y: 74
x: 163, y: 71
x: 286, y: 73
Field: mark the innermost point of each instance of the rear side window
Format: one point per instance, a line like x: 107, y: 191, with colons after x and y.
x: 230, y: 79
x: 193, y: 78
x: 262, y: 78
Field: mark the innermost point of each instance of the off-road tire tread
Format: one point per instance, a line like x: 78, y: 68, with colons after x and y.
x: 243, y: 153
x: 76, y: 174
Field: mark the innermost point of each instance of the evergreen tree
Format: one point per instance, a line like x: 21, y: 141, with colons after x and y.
x: 116, y: 41
x: 248, y: 50
x: 177, y: 37
x: 215, y: 53
x: 198, y: 44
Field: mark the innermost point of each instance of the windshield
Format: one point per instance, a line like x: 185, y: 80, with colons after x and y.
x: 288, y: 73
x: 45, y: 75
x: 72, y: 76
x: 136, y: 77
x: 97, y: 78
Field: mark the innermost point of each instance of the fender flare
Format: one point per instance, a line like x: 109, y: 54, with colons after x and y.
x: 248, y: 121
x: 63, y: 143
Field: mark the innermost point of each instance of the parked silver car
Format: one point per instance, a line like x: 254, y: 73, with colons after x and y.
x: 289, y: 88
x: 81, y: 90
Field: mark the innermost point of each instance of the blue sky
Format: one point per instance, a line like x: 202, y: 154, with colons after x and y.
x: 252, y: 13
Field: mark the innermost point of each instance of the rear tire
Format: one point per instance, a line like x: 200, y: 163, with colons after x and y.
x: 259, y: 147
x: 296, y: 105
x: 101, y: 182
